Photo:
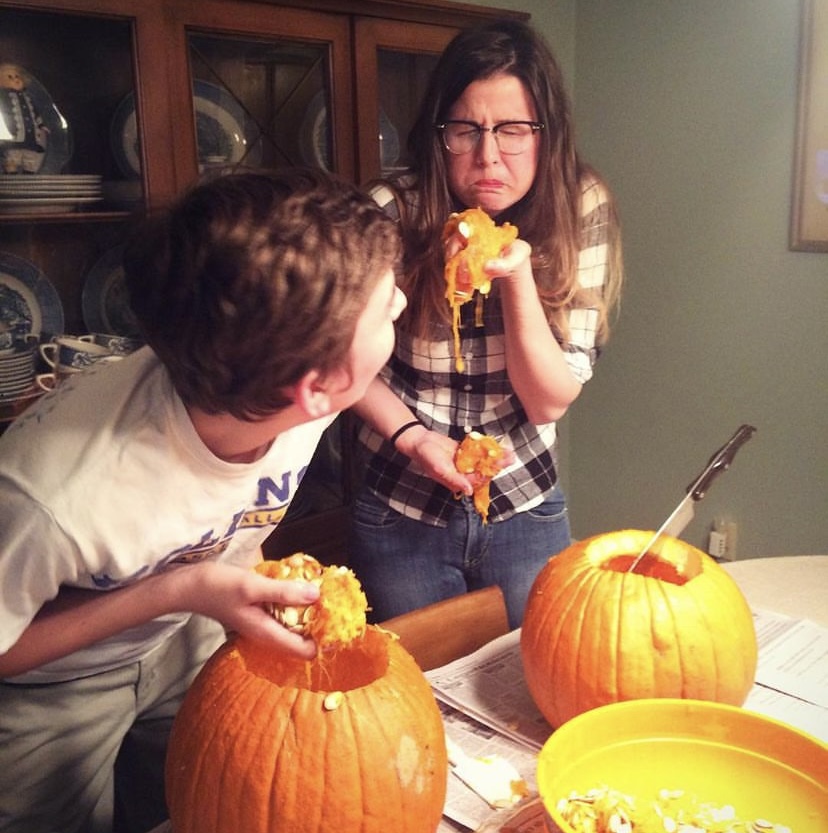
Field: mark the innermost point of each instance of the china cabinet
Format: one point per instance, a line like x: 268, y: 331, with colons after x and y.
x: 121, y: 104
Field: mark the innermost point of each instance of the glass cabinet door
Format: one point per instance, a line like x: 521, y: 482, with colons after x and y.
x: 260, y: 103
x: 72, y: 93
x: 270, y: 87
x: 395, y: 61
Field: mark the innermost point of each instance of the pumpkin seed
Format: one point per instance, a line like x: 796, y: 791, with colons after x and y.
x: 290, y: 617
x: 610, y: 811
x: 332, y: 701
x: 300, y: 566
x: 618, y: 823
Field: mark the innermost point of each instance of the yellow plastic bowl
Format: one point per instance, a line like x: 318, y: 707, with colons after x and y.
x: 719, y: 754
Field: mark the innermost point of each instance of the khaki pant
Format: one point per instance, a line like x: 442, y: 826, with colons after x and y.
x: 87, y: 755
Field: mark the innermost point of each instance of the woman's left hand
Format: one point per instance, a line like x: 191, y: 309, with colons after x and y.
x: 434, y: 454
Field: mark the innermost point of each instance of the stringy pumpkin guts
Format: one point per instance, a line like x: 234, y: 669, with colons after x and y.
x: 481, y: 455
x: 484, y: 241
x: 337, y: 617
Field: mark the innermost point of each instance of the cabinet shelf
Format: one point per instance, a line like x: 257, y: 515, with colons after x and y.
x: 65, y: 217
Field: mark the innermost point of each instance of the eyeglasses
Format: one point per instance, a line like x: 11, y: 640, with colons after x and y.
x: 512, y: 137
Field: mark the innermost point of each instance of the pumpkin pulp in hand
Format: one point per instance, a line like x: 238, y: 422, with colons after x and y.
x: 479, y: 455
x: 337, y: 618
x: 484, y: 241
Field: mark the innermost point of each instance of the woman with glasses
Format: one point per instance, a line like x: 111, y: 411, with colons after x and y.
x: 494, y: 131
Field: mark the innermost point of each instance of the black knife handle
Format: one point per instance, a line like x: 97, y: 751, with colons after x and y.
x: 720, y: 461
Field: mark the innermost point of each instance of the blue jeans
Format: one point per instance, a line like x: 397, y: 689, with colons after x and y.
x: 404, y: 564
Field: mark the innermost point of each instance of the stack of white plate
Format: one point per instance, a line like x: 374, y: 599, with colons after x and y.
x: 17, y: 370
x: 44, y: 193
x: 18, y: 388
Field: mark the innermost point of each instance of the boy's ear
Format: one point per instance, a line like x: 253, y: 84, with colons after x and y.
x: 313, y: 394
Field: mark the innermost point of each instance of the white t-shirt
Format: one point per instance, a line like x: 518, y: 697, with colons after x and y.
x: 104, y: 481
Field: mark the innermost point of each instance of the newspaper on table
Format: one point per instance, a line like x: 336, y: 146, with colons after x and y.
x: 489, y: 685
x: 488, y: 710
x: 792, y: 674
x: 478, y: 740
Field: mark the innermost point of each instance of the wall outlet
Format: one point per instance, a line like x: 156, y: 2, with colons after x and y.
x: 722, y: 541
x: 717, y: 544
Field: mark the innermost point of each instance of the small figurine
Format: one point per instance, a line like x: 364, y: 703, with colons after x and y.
x: 23, y: 135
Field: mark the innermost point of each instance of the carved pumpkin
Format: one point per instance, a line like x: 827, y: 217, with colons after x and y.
x: 594, y: 633
x: 350, y: 742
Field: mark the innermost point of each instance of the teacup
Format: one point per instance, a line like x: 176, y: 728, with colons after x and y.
x: 46, y: 381
x: 117, y: 345
x: 72, y: 353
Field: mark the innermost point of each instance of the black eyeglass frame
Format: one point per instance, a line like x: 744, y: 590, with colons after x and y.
x: 480, y: 130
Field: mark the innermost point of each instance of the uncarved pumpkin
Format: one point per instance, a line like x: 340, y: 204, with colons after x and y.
x: 351, y: 742
x: 594, y: 633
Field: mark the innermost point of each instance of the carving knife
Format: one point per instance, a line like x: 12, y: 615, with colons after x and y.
x: 683, y: 513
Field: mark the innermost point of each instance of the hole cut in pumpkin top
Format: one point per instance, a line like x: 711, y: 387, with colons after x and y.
x: 353, y: 666
x: 652, y: 566
x: 670, y: 560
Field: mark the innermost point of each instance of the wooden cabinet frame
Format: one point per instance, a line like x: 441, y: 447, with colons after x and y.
x: 352, y: 31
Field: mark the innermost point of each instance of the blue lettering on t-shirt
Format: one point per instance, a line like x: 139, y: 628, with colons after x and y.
x: 280, y: 491
x: 272, y: 499
x: 268, y: 486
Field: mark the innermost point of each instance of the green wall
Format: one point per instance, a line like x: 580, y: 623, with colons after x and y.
x: 689, y: 109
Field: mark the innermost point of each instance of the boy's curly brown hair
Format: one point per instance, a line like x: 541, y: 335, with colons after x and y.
x: 251, y: 280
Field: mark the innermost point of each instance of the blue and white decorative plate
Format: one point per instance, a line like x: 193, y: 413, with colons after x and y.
x: 29, y: 304
x: 57, y: 141
x: 220, y: 131
x: 123, y: 138
x: 315, y: 136
x: 105, y: 300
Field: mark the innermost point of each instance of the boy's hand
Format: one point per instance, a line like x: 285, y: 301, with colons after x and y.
x: 237, y: 597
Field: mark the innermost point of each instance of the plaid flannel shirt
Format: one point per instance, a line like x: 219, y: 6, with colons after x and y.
x: 480, y: 398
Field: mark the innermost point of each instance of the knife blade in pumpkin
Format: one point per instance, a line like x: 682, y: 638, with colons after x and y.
x: 678, y: 519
